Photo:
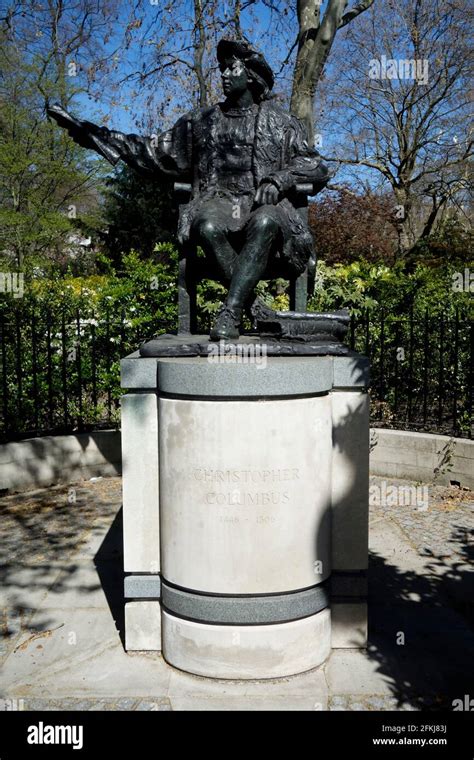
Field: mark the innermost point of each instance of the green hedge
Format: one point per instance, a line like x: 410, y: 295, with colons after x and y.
x: 63, y: 340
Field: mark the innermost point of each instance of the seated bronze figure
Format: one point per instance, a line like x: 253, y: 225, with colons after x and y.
x: 244, y: 159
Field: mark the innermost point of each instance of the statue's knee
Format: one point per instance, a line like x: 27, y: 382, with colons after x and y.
x: 265, y: 223
x: 205, y: 229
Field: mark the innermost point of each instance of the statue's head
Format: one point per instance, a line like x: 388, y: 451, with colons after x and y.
x: 243, y: 68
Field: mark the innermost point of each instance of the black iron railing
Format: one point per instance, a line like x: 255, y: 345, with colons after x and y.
x: 421, y: 369
x: 60, y: 373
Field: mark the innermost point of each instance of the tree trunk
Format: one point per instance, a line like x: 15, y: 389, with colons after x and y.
x: 404, y: 213
x: 199, y: 52
x: 315, y: 39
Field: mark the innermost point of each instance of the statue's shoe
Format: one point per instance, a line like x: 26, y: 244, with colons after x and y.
x: 226, y: 326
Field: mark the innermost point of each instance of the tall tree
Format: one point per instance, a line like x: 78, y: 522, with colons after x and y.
x: 46, y: 182
x: 48, y: 52
x: 69, y: 42
x: 400, y: 105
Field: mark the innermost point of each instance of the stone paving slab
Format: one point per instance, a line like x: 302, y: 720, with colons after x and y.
x: 128, y: 704
x: 62, y: 614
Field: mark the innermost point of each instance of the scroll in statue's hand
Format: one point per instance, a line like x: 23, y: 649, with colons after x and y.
x: 267, y: 194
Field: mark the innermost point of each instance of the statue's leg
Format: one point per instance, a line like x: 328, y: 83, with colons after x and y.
x: 212, y: 238
x: 261, y: 232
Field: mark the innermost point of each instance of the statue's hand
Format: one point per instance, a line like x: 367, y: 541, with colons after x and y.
x: 79, y: 131
x: 87, y: 134
x: 267, y: 194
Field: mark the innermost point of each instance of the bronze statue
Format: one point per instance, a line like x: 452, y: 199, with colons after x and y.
x: 244, y: 159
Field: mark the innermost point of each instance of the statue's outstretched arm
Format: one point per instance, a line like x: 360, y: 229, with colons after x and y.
x: 149, y: 156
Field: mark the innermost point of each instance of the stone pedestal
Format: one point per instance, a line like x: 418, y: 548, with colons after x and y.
x: 245, y: 510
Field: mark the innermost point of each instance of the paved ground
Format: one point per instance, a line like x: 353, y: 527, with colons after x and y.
x: 62, y: 614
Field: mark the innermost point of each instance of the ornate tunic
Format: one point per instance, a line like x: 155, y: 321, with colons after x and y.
x: 225, y: 156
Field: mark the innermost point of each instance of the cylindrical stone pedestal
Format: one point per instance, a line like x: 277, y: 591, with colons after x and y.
x: 244, y: 500
x: 245, y: 490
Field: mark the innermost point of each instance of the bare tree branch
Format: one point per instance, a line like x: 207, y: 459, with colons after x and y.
x: 351, y: 14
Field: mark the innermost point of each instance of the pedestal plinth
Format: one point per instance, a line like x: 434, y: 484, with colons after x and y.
x: 245, y: 510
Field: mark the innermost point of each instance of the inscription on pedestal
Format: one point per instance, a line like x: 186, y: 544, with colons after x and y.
x: 245, y: 507
x: 241, y: 495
